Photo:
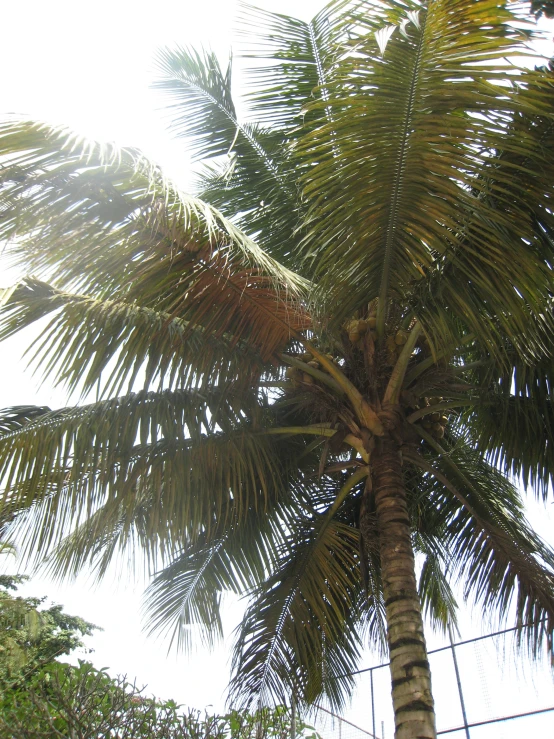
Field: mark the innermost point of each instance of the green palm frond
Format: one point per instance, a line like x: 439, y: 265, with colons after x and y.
x: 205, y: 114
x: 396, y: 188
x: 490, y: 546
x: 287, y: 637
x: 187, y: 592
x: 187, y: 462
x: 514, y: 195
x: 515, y: 426
x: 105, y: 222
x: 47, y: 173
x: 428, y: 524
x: 12, y: 419
x: 292, y: 59
x: 294, y: 638
x: 119, y: 531
x: 246, y: 170
x: 192, y: 597
x: 437, y: 599
x: 117, y: 343
x: 203, y: 110
x: 267, y: 211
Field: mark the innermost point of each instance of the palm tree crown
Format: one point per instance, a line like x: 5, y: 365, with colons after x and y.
x: 336, y: 356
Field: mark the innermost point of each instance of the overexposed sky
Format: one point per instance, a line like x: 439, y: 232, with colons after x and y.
x: 89, y: 65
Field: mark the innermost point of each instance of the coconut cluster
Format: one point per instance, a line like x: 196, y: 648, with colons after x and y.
x: 435, y: 422
x: 356, y: 328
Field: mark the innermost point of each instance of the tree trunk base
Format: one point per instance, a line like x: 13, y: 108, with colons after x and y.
x: 409, y: 665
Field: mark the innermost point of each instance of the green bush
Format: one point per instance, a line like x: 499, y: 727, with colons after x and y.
x: 86, y: 703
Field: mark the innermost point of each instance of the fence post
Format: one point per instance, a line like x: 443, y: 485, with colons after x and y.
x: 372, y: 702
x: 459, y: 682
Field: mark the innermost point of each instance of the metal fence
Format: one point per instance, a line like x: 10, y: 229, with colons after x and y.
x: 331, y: 726
x: 482, y: 689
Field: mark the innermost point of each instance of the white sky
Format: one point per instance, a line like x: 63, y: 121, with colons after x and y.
x: 89, y: 66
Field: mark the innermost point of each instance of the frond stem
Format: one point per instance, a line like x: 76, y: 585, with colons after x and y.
x: 324, y: 430
x: 366, y: 415
x: 416, y: 415
x: 430, y: 361
x: 392, y: 393
x: 318, y: 374
x: 352, y: 481
x: 397, y: 189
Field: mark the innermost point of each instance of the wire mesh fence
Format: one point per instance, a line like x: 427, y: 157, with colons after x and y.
x: 331, y: 726
x: 482, y: 689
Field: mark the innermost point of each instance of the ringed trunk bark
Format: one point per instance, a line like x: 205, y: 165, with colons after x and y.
x: 409, y: 665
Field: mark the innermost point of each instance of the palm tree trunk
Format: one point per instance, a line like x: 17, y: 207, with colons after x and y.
x: 411, y: 678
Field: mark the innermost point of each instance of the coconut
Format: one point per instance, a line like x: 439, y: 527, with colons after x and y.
x: 307, y: 379
x: 306, y: 357
x: 438, y: 433
x: 372, y: 322
x: 291, y: 372
x: 391, y: 344
x: 401, y: 337
x: 435, y: 417
x: 313, y: 364
x: 435, y: 401
x: 353, y: 336
x: 443, y: 419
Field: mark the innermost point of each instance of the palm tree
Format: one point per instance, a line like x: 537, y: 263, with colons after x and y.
x: 335, y: 360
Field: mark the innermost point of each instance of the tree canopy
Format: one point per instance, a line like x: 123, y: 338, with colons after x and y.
x: 67, y: 701
x: 335, y: 357
x: 31, y: 635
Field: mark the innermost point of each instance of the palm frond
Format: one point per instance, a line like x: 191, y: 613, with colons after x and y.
x: 184, y: 462
x: 295, y: 636
x: 515, y: 425
x: 396, y: 188
x: 12, y: 419
x: 491, y: 548
x: 258, y: 179
x: 267, y: 211
x: 204, y: 112
x: 203, y: 108
x: 514, y: 192
x: 117, y: 343
x: 105, y: 222
x: 428, y: 524
x: 191, y: 596
x: 437, y: 598
x: 246, y: 173
x: 291, y: 61
x: 299, y: 634
x: 186, y: 593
